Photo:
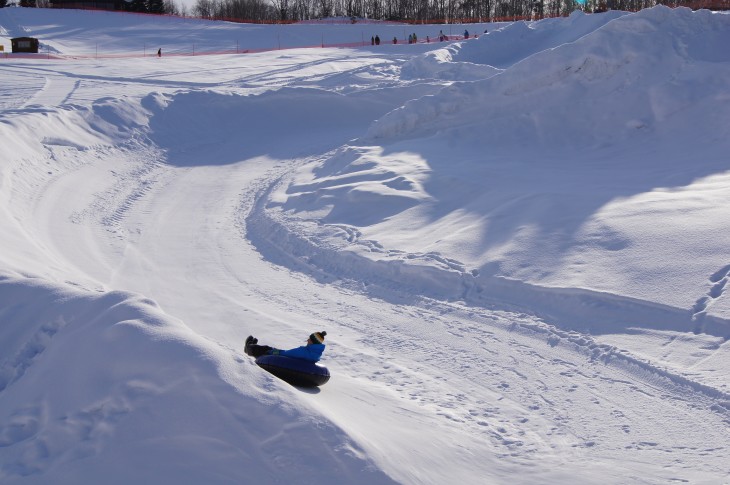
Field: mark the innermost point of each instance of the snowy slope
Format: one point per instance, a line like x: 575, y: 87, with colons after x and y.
x: 574, y: 168
x: 517, y: 245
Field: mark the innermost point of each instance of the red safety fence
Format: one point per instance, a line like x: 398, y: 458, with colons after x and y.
x: 196, y: 52
x: 193, y: 52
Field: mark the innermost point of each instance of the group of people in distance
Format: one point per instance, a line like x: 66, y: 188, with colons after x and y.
x: 413, y: 39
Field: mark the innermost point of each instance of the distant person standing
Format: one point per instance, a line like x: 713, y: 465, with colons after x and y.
x: 377, y: 39
x: 159, y: 52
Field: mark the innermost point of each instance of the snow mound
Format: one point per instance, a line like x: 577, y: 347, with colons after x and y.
x: 632, y: 73
x: 229, y: 124
x: 108, y: 378
x: 445, y: 64
x: 101, y: 400
x: 502, y: 47
x: 550, y: 174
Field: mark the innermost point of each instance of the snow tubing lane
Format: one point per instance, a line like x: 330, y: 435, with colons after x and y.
x: 296, y: 372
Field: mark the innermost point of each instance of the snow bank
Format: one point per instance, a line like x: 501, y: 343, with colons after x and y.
x: 211, y: 128
x: 605, y: 87
x: 502, y: 46
x: 104, y: 387
x: 554, y: 173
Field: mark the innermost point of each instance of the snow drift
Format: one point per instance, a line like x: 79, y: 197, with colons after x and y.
x: 572, y: 168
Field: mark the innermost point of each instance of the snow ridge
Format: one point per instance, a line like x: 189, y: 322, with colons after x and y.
x: 75, y: 426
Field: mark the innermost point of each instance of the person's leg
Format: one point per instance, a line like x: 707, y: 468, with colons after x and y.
x: 251, y: 348
x: 257, y: 350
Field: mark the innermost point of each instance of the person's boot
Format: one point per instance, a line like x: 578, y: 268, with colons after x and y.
x: 249, y: 341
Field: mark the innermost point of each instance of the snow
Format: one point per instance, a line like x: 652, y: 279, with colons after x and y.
x: 517, y: 244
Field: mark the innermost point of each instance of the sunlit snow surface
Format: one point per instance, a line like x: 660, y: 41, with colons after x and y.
x: 519, y: 246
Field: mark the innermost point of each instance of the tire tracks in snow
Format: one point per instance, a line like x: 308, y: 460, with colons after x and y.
x: 56, y: 91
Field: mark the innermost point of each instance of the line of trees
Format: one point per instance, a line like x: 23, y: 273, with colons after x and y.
x: 416, y: 11
x: 146, y: 6
x: 426, y: 11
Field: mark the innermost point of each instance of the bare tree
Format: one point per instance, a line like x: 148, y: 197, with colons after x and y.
x: 325, y: 8
x: 282, y: 7
x: 204, y: 9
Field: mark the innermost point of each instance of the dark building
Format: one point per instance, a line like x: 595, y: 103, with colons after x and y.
x: 24, y: 44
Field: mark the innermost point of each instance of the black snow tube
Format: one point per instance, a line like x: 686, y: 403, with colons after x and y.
x: 297, y: 372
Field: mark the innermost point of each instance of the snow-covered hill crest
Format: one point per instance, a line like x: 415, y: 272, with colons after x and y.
x: 646, y: 62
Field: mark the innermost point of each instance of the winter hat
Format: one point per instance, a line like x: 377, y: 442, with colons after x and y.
x: 318, y: 337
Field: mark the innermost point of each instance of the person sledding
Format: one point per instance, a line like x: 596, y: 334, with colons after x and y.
x: 311, y: 352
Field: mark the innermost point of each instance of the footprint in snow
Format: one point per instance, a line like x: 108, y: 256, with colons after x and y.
x: 719, y: 281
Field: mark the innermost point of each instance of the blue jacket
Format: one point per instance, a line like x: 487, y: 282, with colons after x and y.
x: 311, y: 352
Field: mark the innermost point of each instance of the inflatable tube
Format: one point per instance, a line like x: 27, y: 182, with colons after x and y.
x: 297, y: 372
